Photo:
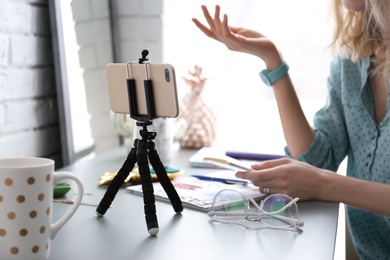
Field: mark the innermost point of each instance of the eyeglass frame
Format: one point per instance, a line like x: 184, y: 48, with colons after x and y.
x: 294, y: 223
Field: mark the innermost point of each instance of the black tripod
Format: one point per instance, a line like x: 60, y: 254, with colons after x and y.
x: 143, y: 149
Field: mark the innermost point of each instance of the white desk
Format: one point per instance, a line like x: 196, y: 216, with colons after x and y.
x: 122, y: 233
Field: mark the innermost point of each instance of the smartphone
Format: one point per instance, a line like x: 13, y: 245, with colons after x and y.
x: 229, y: 163
x: 163, y: 80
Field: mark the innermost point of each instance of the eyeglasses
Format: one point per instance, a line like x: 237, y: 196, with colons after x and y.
x: 278, y: 211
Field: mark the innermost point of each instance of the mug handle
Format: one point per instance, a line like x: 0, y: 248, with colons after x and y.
x: 57, y: 177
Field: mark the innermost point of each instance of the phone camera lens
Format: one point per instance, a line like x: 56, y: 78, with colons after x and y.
x: 167, y: 78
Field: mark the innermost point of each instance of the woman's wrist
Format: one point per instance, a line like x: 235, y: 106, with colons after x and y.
x: 274, y: 63
x: 272, y: 59
x: 329, y: 187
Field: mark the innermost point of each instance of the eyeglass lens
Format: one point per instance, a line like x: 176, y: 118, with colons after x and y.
x: 230, y: 206
x: 275, y: 217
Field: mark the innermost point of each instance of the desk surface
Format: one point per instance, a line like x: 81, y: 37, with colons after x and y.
x: 122, y: 233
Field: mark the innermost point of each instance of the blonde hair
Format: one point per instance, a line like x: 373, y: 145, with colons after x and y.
x: 362, y: 34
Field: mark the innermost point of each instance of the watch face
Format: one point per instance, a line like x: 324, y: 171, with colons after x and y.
x: 265, y: 79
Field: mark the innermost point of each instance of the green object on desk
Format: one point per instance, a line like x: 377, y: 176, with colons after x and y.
x: 60, y: 189
x: 168, y: 169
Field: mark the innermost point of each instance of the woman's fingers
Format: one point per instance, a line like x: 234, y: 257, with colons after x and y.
x: 214, y: 23
x: 225, y: 26
x: 236, y: 39
x: 274, y: 175
x: 259, y: 176
x: 204, y: 29
x: 217, y: 20
x: 271, y: 163
x: 208, y: 17
x: 214, y: 30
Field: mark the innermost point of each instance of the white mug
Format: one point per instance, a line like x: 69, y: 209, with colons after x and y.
x: 26, y: 203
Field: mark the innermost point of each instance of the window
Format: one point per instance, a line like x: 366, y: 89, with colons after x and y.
x: 245, y: 108
x: 80, y: 118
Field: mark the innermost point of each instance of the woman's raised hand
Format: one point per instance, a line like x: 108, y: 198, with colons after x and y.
x: 237, y: 39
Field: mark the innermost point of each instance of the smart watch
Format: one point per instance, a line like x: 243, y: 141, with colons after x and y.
x: 270, y: 77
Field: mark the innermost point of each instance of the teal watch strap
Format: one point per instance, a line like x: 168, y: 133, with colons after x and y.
x: 270, y: 77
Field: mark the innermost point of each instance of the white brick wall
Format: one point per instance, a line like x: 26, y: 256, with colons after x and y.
x: 28, y: 106
x: 140, y: 27
x: 30, y: 50
x: 139, y: 7
x: 4, y: 46
x: 93, y: 34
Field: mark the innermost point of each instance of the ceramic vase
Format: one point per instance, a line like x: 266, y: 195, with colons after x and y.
x: 201, y: 121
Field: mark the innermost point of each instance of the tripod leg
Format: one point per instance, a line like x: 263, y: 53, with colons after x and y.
x: 165, y: 181
x: 147, y: 189
x: 116, y: 183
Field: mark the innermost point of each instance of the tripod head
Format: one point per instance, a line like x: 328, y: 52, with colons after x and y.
x: 144, y: 132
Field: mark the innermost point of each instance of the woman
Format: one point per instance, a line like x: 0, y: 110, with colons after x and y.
x: 353, y: 123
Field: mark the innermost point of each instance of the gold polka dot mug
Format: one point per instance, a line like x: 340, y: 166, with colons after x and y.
x: 26, y: 203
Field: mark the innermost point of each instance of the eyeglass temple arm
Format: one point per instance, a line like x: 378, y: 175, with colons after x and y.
x: 291, y: 221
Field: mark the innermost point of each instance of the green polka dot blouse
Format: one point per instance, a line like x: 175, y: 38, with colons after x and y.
x: 345, y: 126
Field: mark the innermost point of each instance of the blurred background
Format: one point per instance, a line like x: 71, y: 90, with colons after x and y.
x: 240, y: 101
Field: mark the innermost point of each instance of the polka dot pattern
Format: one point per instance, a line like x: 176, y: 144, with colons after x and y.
x: 22, y: 202
x: 8, y: 182
x: 346, y: 127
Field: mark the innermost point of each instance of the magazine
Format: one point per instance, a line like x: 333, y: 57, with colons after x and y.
x: 199, y: 194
